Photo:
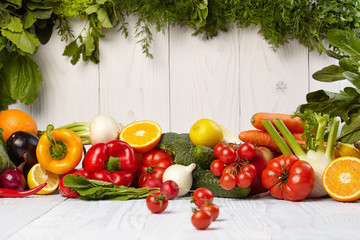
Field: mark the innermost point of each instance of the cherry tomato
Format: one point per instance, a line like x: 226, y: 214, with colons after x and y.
x: 246, y: 151
x: 213, y: 209
x: 217, y: 167
x: 228, y: 181
x: 227, y: 155
x: 229, y: 169
x: 153, y: 165
x: 202, y: 196
x: 201, y: 219
x: 249, y: 168
x: 170, y: 188
x: 243, y: 179
x: 66, y: 191
x: 217, y: 149
x: 156, y: 202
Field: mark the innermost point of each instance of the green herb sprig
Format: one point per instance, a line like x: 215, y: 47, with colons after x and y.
x: 25, y: 24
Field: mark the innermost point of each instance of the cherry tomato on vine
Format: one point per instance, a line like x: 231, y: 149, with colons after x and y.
x: 217, y: 167
x: 228, y: 181
x: 249, y: 168
x: 227, y: 155
x: 246, y: 151
x: 229, y: 169
x: 201, y: 219
x: 202, y: 196
x: 243, y: 179
x: 213, y: 209
x: 217, y: 149
x: 156, y: 202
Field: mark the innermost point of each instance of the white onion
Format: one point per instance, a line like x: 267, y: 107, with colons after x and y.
x: 182, y: 175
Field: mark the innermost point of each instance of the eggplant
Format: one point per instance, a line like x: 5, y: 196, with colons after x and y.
x: 20, y: 143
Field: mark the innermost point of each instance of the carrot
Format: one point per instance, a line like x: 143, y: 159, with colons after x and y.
x: 293, y: 124
x: 262, y: 138
x: 298, y: 136
x: 259, y: 138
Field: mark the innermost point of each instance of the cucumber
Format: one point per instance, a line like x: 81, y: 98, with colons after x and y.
x: 203, y: 156
x: 204, y: 178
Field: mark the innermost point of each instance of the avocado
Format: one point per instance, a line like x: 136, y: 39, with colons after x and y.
x: 203, y: 156
x: 204, y: 178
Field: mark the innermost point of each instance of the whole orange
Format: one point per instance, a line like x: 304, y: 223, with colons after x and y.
x: 13, y: 120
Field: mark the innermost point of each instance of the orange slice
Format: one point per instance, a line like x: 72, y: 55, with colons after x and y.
x: 142, y: 136
x: 341, y: 179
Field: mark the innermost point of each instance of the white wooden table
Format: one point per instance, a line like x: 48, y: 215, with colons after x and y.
x: 54, y: 217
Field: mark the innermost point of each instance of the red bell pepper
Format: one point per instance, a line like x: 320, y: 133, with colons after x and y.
x: 113, y: 162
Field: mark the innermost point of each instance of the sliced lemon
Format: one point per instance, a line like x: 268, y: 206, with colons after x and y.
x: 38, y: 175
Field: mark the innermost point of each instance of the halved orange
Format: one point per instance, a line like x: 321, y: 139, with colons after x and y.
x: 142, y: 136
x: 341, y: 179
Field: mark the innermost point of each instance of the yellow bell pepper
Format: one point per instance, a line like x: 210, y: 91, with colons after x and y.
x: 59, y: 151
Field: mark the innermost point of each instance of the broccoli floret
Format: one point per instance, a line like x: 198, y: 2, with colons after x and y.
x: 178, y: 146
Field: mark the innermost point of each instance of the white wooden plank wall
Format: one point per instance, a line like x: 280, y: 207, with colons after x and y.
x: 226, y: 79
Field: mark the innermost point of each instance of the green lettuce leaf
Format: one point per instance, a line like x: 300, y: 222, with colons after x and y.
x: 22, y: 78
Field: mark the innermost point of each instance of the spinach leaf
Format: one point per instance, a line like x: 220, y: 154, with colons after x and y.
x: 350, y: 132
x: 98, y: 190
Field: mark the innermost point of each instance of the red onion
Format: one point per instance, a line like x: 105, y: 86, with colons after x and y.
x: 13, y: 178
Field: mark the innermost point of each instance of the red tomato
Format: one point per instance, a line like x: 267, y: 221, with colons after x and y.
x: 201, y: 219
x: 217, y: 149
x: 153, y: 165
x: 227, y: 155
x: 229, y: 169
x: 246, y: 151
x: 66, y: 191
x: 228, y: 181
x: 217, y: 167
x: 202, y: 196
x: 156, y: 202
x: 153, y: 183
x: 288, y: 178
x: 243, y: 179
x: 213, y: 209
x: 249, y: 168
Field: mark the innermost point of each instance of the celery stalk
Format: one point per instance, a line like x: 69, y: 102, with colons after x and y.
x: 276, y: 137
x: 295, y: 146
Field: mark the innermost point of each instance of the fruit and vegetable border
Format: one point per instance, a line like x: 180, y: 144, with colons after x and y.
x: 26, y: 24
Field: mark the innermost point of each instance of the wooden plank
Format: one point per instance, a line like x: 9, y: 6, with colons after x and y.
x: 266, y: 218
x: 132, y: 86
x: 68, y: 93
x: 270, y: 81
x: 204, y: 79
x: 17, y: 213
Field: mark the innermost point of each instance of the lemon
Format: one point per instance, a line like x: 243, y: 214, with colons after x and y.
x: 38, y: 175
x: 206, y: 132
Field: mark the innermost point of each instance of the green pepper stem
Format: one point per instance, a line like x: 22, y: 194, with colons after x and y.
x: 57, y: 149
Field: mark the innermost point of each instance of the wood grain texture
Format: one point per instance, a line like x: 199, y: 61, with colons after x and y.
x: 204, y: 79
x: 68, y: 93
x: 132, y: 86
x: 270, y: 81
x: 266, y: 218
